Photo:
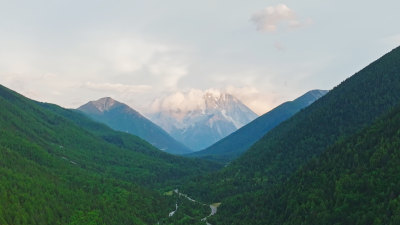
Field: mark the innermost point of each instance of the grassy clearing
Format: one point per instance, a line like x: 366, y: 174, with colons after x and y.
x: 217, y: 204
x: 169, y: 193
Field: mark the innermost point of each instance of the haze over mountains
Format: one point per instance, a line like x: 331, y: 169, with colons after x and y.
x: 236, y: 143
x: 123, y: 118
x: 200, y: 119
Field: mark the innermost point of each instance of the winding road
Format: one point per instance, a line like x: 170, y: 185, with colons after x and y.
x: 173, y: 212
x: 213, y: 212
x: 213, y: 207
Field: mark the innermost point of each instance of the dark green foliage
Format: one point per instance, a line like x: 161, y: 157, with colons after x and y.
x: 356, y: 181
x: 232, y: 146
x: 246, y: 184
x: 59, y: 167
x: 54, y: 193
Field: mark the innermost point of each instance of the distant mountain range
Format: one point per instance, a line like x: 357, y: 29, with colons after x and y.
x: 201, y: 119
x: 236, y: 143
x: 121, y: 117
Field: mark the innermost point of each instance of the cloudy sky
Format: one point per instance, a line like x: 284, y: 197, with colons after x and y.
x: 265, y: 52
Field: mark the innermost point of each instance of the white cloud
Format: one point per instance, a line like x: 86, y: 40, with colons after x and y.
x: 170, y: 71
x: 181, y: 102
x: 116, y: 87
x: 99, y: 64
x: 145, y: 60
x: 271, y: 17
x: 128, y: 55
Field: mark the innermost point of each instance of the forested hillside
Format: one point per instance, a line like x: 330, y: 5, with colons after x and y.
x: 356, y: 103
x: 59, y: 167
x: 356, y: 181
x: 159, y: 168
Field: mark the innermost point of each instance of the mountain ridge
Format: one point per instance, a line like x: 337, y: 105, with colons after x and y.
x: 236, y: 143
x: 120, y: 116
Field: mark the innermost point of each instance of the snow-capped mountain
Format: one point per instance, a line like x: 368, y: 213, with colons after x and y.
x: 199, y: 119
x: 123, y: 118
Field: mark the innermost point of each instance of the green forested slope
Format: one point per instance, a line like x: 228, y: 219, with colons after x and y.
x: 356, y: 181
x: 59, y: 167
x: 159, y: 168
x: 351, y: 106
x: 59, y: 193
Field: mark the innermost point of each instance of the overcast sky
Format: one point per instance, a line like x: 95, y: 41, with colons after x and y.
x: 264, y: 52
